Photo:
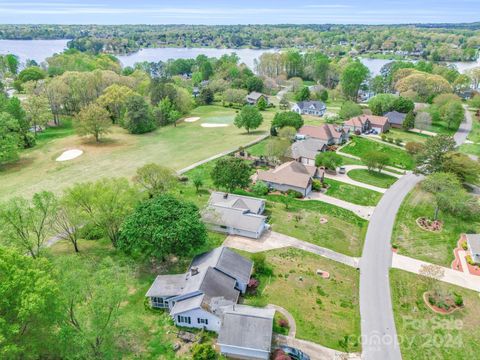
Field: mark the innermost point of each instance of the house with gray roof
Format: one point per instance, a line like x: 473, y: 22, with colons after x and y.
x: 473, y: 242
x: 235, y: 215
x: 254, y: 97
x: 246, y: 332
x: 395, y: 118
x: 305, y: 151
x: 195, y: 299
x: 316, y: 108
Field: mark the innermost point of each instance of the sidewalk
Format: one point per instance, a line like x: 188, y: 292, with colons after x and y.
x: 362, y: 211
x: 451, y: 276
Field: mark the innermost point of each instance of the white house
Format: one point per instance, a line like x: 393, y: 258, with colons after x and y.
x: 235, y: 215
x: 316, y: 108
x: 215, y: 279
x: 473, y: 242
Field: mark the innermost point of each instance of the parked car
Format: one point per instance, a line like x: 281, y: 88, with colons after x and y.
x: 342, y: 170
x: 295, y: 354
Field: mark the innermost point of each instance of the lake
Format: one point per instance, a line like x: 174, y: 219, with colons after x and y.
x: 246, y: 56
x: 37, y: 50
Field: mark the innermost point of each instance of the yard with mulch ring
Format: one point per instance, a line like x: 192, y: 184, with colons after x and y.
x: 325, y: 310
x: 426, y: 335
x: 433, y: 247
x: 374, y: 178
x: 399, y: 158
x: 443, y: 303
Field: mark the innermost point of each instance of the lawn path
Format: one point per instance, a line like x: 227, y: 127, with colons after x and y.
x: 465, y: 127
x: 450, y: 276
x: 273, y: 240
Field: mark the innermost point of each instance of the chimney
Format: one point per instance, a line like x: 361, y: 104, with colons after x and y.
x: 225, y: 196
x: 194, y: 271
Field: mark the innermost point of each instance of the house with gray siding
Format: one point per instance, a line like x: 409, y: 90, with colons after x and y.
x: 316, y: 108
x: 305, y: 151
x: 473, y: 243
x: 235, y: 215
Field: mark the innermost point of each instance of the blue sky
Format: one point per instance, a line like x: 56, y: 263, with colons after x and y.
x: 237, y: 12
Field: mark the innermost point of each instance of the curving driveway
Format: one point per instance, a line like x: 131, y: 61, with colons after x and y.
x: 379, y: 336
x: 465, y: 128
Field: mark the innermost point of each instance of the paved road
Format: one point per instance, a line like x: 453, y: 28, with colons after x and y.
x: 464, y: 129
x: 273, y: 240
x: 379, y: 336
x: 450, y: 276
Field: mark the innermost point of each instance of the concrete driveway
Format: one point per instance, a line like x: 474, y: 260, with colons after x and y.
x: 365, y: 212
x: 465, y: 127
x: 273, y: 240
x: 450, y: 276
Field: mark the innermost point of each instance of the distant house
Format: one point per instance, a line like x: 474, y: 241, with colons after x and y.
x: 291, y: 175
x: 194, y: 299
x: 235, y: 215
x: 316, y: 108
x: 365, y: 123
x: 206, y: 298
x: 254, y: 97
x: 328, y: 133
x: 196, y: 91
x: 395, y: 118
x: 306, y: 150
x: 246, y: 333
x: 473, y: 242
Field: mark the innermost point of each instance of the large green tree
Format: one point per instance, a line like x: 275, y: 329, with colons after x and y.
x: 286, y: 118
x: 28, y: 306
x: 354, y: 74
x: 138, y: 117
x: 162, y: 226
x: 248, y: 118
x: 431, y: 158
x: 93, y: 120
x: 9, y: 138
x: 155, y: 179
x: 231, y: 173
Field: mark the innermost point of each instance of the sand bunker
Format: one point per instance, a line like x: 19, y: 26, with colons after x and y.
x: 69, y: 155
x: 192, y: 119
x: 211, y: 125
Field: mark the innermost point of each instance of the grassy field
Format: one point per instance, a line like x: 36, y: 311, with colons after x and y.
x: 473, y: 149
x: 425, y: 245
x: 120, y: 154
x: 325, y: 310
x: 372, y: 177
x: 361, y: 146
x: 354, y: 194
x: 425, y: 335
x: 344, y: 232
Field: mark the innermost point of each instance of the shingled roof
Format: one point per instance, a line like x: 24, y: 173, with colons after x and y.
x: 290, y: 173
x: 325, y: 132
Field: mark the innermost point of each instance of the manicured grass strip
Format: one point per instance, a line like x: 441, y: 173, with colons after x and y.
x: 397, y: 157
x: 325, y: 310
x: 353, y: 194
x: 435, y: 247
x: 55, y: 132
x: 422, y: 332
x: 372, y: 178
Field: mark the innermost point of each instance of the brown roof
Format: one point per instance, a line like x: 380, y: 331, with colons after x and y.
x: 360, y: 120
x: 290, y: 173
x: 324, y: 132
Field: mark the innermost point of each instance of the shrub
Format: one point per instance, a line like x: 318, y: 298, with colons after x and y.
x: 469, y: 260
x: 260, y: 264
x: 316, y: 185
x: 294, y: 194
x: 414, y: 147
x: 398, y: 141
x: 283, y: 323
x: 320, y: 291
x: 253, y: 284
x: 390, y: 139
x: 203, y: 352
x: 260, y: 188
x: 464, y: 245
x: 458, y: 299
x: 383, y: 136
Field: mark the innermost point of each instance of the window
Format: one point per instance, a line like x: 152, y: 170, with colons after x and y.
x: 158, y: 302
x: 202, y: 321
x: 184, y: 319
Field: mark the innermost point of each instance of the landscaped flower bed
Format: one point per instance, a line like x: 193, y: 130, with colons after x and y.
x: 443, y: 303
x: 429, y: 225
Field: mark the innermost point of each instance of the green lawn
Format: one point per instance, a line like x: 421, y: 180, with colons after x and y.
x: 473, y: 149
x: 425, y: 335
x: 121, y: 153
x: 325, y: 310
x: 344, y: 232
x: 55, y: 132
x: 425, y: 245
x: 407, y: 136
x: 360, y: 146
x: 354, y: 194
x: 372, y: 178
